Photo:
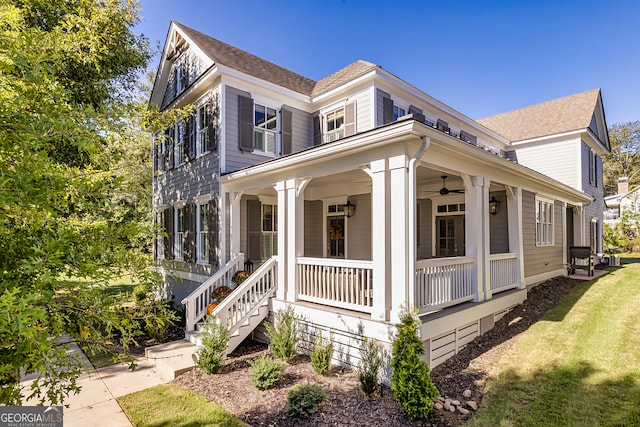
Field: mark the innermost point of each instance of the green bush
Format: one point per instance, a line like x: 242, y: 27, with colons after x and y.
x: 215, y: 338
x: 284, y: 334
x: 304, y: 399
x: 158, y: 326
x: 322, y: 354
x: 265, y: 372
x: 369, y: 367
x: 410, y: 380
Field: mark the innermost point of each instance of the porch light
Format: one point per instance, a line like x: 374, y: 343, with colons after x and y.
x: 349, y: 209
x: 494, y: 205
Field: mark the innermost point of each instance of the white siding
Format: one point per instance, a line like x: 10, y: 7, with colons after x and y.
x: 364, y: 104
x: 359, y: 228
x: 557, y: 160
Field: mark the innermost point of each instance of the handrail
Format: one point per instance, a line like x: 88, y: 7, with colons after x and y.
x: 236, y: 308
x: 197, y: 301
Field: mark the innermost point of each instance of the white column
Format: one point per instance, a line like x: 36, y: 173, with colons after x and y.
x: 281, y: 292
x: 234, y: 200
x: 514, y: 212
x: 380, y: 239
x: 295, y: 235
x: 477, y: 232
x: 399, y: 228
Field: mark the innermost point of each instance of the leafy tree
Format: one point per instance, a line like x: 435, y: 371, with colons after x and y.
x: 624, y: 159
x: 74, y: 208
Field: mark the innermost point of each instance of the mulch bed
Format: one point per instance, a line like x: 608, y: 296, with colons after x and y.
x: 346, y: 405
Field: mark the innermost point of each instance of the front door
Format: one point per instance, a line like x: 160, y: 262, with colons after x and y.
x: 450, y: 236
x: 335, y: 236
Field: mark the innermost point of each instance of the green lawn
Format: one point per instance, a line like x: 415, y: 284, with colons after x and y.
x: 169, y: 405
x: 578, y: 366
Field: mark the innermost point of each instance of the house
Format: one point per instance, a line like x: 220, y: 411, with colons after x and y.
x: 358, y: 195
x: 624, y: 201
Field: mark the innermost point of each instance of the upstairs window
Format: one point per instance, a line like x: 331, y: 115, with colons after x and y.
x: 265, y: 129
x: 159, y: 145
x: 203, y: 123
x: 544, y: 222
x: 398, y: 112
x: 334, y: 125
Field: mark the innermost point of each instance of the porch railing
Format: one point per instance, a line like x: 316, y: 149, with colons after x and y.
x: 336, y: 282
x: 504, y: 271
x: 197, y: 301
x: 443, y: 282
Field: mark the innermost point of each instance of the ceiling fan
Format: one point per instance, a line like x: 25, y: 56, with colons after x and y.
x: 444, y: 190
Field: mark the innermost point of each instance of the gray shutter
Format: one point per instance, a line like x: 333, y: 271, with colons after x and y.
x: 191, y: 141
x: 214, y: 233
x: 168, y: 228
x: 287, y: 143
x: 467, y: 137
x: 350, y: 119
x: 211, y: 131
x: 254, y: 229
x: 317, y: 132
x: 190, y: 233
x: 168, y: 148
x: 245, y: 119
x: 387, y: 110
x: 442, y: 126
x: 417, y: 113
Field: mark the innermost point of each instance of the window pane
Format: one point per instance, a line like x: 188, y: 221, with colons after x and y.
x: 271, y: 143
x: 260, y: 115
x: 259, y: 139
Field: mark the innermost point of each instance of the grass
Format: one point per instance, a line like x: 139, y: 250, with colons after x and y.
x: 578, y: 366
x: 169, y: 405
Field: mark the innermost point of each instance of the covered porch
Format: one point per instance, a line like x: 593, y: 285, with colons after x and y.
x: 374, y: 231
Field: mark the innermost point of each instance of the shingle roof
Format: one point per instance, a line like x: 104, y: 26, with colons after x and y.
x: 566, y: 114
x: 232, y: 57
x: 238, y: 59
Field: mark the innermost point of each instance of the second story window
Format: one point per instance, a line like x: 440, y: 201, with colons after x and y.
x: 334, y: 122
x: 398, y: 112
x: 203, y: 122
x: 265, y: 129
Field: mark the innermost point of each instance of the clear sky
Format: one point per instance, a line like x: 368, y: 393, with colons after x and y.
x: 479, y: 57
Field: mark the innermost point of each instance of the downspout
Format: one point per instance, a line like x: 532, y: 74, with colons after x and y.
x: 411, y: 284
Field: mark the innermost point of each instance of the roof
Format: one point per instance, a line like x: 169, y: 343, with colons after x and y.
x: 232, y: 57
x: 238, y: 59
x: 560, y: 115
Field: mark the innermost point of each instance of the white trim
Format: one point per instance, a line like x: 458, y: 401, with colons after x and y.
x: 189, y: 276
x: 204, y: 198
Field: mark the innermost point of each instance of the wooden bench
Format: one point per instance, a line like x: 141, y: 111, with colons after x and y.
x: 582, y: 253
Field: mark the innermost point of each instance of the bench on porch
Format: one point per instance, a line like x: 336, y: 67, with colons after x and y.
x: 582, y: 254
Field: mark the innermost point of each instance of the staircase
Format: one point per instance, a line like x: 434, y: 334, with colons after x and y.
x: 243, y: 310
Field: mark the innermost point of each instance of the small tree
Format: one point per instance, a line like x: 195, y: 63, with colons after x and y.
x: 284, y: 334
x: 410, y: 380
x: 322, y: 353
x: 265, y: 372
x: 369, y: 367
x: 215, y: 338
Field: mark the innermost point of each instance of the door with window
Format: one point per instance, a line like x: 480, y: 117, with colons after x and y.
x: 335, y: 236
x: 450, y: 236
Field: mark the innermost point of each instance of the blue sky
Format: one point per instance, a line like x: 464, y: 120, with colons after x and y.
x: 479, y: 57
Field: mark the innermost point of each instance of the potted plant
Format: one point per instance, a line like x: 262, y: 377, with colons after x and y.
x: 240, y: 276
x: 218, y: 294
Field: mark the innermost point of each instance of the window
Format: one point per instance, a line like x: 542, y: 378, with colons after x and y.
x: 203, y: 120
x: 178, y: 242
x: 269, y: 245
x: 160, y: 235
x: 398, y: 112
x: 159, y: 147
x: 179, y: 145
x: 334, y: 125
x: 203, y: 233
x: 544, y: 222
x: 265, y: 129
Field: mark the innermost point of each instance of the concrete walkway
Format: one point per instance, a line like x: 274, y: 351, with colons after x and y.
x: 96, y: 404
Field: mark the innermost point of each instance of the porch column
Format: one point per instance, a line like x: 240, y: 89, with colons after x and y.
x: 281, y: 291
x: 295, y: 235
x: 380, y: 239
x: 514, y: 212
x: 234, y: 200
x: 399, y: 228
x: 477, y: 232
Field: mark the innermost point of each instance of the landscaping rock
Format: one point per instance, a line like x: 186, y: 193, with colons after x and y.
x: 466, y: 394
x: 463, y: 411
x: 472, y: 404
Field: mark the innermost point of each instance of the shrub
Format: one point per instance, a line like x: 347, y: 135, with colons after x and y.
x: 410, y: 381
x: 304, y: 399
x: 322, y: 354
x: 284, y: 334
x: 265, y: 372
x: 157, y: 326
x: 369, y: 367
x: 215, y: 338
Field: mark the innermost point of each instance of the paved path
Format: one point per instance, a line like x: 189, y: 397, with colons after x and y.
x: 96, y: 404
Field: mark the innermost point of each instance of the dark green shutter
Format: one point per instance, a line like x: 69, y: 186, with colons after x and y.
x: 211, y: 131
x: 168, y: 148
x: 245, y: 119
x: 214, y: 233
x: 191, y: 141
x: 168, y: 229
x: 189, y: 231
x: 387, y: 110
x: 317, y: 132
x: 287, y: 142
x: 254, y: 229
